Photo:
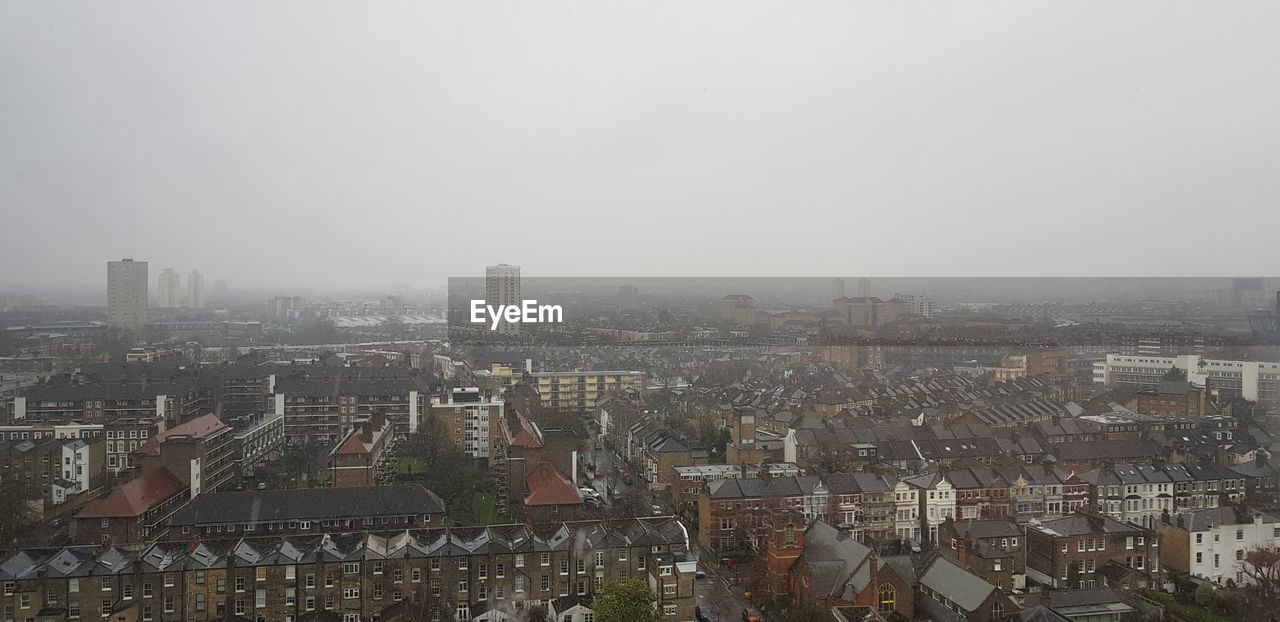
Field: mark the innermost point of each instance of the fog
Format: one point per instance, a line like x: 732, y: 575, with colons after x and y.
x: 314, y: 144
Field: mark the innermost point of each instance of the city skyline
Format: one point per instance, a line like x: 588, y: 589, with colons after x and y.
x: 658, y: 141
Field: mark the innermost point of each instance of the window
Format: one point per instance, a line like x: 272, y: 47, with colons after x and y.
x: 239, y: 584
x: 1239, y: 534
x: 416, y: 575
x: 397, y: 575
x: 106, y: 584
x: 168, y: 603
x: 310, y: 581
x: 519, y: 561
x: 483, y: 571
x: 888, y: 598
x: 351, y: 593
x: 348, y: 568
x: 669, y: 610
x: 500, y: 571
x: 996, y: 565
x: 545, y: 560
x: 199, y: 602
x: 462, y: 584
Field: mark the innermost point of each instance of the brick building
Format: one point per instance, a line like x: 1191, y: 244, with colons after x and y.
x: 469, y: 572
x: 1090, y: 550
x: 299, y: 511
x: 361, y: 458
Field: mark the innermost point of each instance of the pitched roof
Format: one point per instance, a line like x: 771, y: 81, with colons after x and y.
x: 548, y: 487
x: 256, y: 506
x: 203, y: 426
x: 956, y: 584
x: 136, y: 496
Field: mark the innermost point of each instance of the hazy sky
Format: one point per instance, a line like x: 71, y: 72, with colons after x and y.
x: 343, y: 143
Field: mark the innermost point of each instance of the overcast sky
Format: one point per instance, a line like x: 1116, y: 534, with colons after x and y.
x: 330, y: 143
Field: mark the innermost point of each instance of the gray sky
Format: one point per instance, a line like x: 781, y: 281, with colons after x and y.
x: 313, y: 143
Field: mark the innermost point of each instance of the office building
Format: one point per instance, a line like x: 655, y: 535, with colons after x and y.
x: 127, y: 294
x: 502, y: 287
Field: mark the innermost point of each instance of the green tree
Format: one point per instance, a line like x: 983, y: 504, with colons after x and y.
x: 306, y: 461
x: 1204, y: 596
x: 625, y: 601
x: 1175, y: 374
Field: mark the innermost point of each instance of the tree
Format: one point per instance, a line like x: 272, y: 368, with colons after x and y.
x: 1175, y: 374
x: 625, y: 601
x: 446, y: 469
x: 1262, y: 568
x: 19, y: 523
x: 1204, y: 596
x: 306, y: 461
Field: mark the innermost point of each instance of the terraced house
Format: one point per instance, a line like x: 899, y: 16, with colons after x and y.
x: 483, y: 573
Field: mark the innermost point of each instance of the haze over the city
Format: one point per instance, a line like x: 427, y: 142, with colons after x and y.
x: 409, y: 142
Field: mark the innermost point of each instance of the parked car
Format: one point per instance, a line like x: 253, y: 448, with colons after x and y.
x: 657, y: 510
x: 701, y: 614
x: 752, y: 615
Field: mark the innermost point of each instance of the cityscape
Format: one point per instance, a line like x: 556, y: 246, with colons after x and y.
x: 717, y: 311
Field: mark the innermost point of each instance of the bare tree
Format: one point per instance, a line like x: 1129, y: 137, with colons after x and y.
x: 1262, y: 568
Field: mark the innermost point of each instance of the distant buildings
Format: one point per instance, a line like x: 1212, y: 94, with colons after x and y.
x: 917, y: 304
x: 169, y: 289
x: 869, y: 312
x: 195, y: 290
x: 1252, y: 380
x: 127, y: 294
x: 502, y: 287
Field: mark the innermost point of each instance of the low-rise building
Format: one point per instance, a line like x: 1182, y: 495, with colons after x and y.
x: 1085, y: 551
x: 1213, y: 544
x: 993, y: 549
x: 299, y: 511
x: 466, y: 573
x: 361, y: 458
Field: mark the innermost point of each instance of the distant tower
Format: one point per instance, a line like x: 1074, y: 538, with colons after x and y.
x: 127, y: 294
x: 502, y: 287
x: 195, y: 290
x: 864, y: 288
x: 837, y: 288
x: 168, y: 289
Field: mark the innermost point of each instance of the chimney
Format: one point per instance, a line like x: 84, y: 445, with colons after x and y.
x: 366, y: 431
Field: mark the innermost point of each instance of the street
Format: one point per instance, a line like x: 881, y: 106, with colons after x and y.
x: 719, y: 600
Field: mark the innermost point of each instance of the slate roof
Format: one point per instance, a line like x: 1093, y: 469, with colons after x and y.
x: 956, y: 584
x: 258, y: 506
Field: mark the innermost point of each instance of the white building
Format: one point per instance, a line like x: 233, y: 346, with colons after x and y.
x: 906, y: 515
x: 937, y: 501
x: 919, y: 304
x: 1217, y: 542
x: 127, y: 294
x: 502, y: 287
x: 195, y: 290
x: 168, y: 290
x: 1252, y: 380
